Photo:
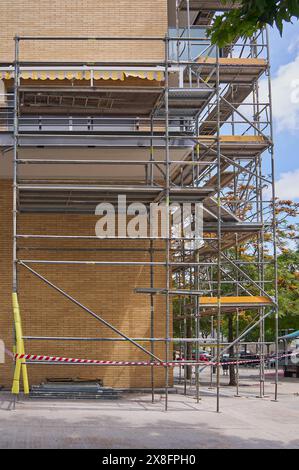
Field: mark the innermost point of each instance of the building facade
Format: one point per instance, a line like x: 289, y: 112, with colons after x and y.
x: 129, y: 98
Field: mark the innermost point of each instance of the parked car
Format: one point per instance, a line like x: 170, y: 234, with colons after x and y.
x: 253, y: 359
x: 206, y: 356
x: 203, y: 357
x: 291, y: 366
x: 271, y: 361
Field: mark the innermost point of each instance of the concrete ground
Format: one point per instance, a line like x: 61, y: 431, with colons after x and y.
x: 134, y: 422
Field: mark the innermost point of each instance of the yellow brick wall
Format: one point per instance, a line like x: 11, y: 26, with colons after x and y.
x: 109, y: 291
x: 126, y: 18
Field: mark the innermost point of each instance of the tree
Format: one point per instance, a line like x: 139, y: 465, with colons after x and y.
x: 288, y: 289
x: 249, y: 16
x: 287, y: 213
x: 288, y: 274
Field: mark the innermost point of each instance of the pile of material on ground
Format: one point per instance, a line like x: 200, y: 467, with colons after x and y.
x: 73, y: 389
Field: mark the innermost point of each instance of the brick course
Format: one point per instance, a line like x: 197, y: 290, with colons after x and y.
x: 83, y: 18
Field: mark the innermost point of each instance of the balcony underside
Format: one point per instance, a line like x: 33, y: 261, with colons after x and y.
x: 205, y: 10
x: 112, y: 101
x: 79, y: 198
x: 123, y: 140
x: 142, y: 98
x: 123, y: 164
x: 206, y: 5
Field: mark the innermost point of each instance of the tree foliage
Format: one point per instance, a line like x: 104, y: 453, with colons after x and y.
x: 288, y: 286
x: 249, y: 16
x: 287, y: 213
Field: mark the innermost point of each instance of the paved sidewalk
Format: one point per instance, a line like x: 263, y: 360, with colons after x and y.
x: 134, y: 422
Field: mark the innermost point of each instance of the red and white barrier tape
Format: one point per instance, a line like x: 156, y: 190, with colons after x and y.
x: 65, y: 360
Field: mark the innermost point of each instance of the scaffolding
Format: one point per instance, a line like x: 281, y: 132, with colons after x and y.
x: 206, y: 136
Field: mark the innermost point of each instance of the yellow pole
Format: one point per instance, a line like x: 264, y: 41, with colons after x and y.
x: 16, y: 378
x: 20, y: 349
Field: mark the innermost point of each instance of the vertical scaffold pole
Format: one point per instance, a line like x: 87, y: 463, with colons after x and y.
x: 260, y: 219
x: 177, y: 25
x: 197, y: 323
x: 152, y: 301
x: 218, y: 229
x: 274, y: 224
x: 17, y: 371
x: 20, y: 364
x: 197, y: 284
x: 189, y: 42
x: 167, y: 197
x: 15, y: 166
x: 152, y: 319
x: 261, y: 243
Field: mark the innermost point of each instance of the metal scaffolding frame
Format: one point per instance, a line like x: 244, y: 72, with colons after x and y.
x: 215, y: 167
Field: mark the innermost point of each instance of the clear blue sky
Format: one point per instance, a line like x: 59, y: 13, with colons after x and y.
x: 285, y: 75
